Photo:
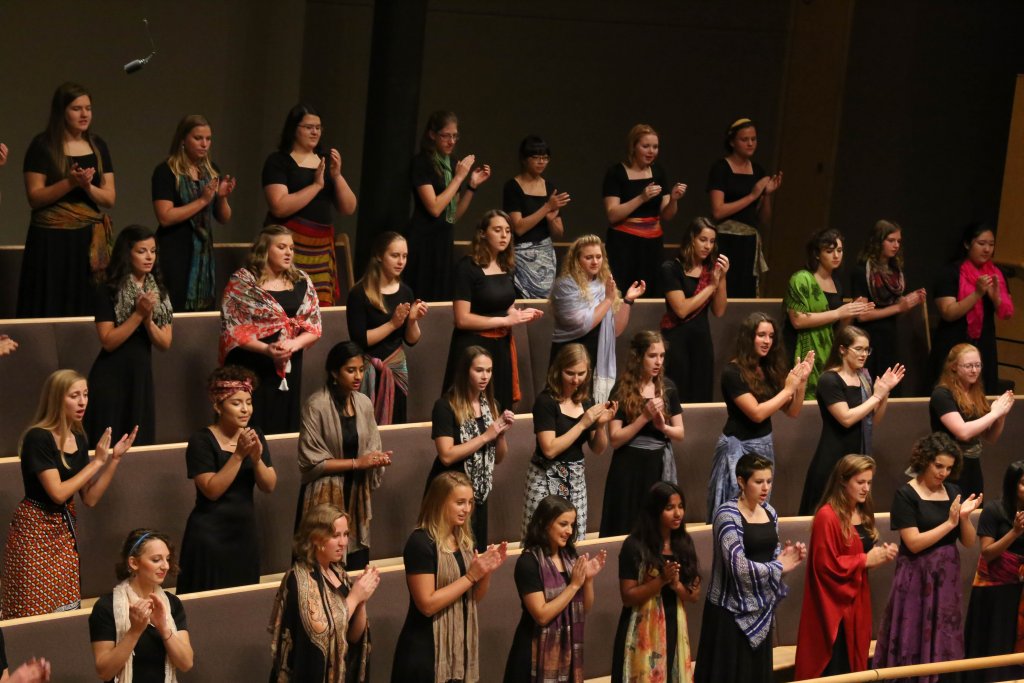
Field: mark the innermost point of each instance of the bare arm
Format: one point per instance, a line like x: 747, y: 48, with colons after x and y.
x: 283, y: 204
x: 950, y: 309
x: 160, y: 336
x: 214, y: 484
x: 429, y: 600
x: 720, y: 209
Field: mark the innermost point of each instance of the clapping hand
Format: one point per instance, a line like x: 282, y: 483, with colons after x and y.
x: 556, y: 201
x: 888, y: 381
x: 249, y: 445
x: 721, y: 268
x: 1018, y: 522
x: 635, y: 291
x: 598, y: 414
x: 82, y: 176
x: 912, y: 300
x: 464, y: 166
x: 678, y: 190
x: 479, y: 175
x: 670, y: 573
x: 32, y: 671
x: 365, y: 585
x: 594, y: 564
x: 335, y: 163
x: 858, y: 306
x: 1003, y: 403
x: 318, y: 175
x: 373, y: 459
x: 103, y: 450
x: 774, y: 183
x: 882, y: 553
x: 139, y: 614
x: 418, y: 310
x: 210, y: 190
x: 226, y: 186
x: 792, y: 555
x: 486, y: 562
x: 402, y: 312
x: 3, y: 154
x: 7, y: 345
x: 650, y: 192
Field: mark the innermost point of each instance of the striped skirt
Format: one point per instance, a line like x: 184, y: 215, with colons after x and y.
x: 314, y: 253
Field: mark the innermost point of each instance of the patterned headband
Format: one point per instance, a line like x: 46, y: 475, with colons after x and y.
x: 222, y: 389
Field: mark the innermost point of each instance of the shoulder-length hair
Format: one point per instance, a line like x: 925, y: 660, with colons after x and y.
x: 435, y: 124
x: 178, y: 160
x: 317, y: 526
x: 773, y: 367
x: 258, y: 254
x: 135, y: 544
x: 568, y: 356
x: 433, y: 514
x: 843, y: 340
x: 50, y: 413
x: 533, y: 145
x: 818, y: 242
x: 927, y: 448
x: 647, y: 530
x: 872, y: 251
x: 291, y: 124
x: 1010, y: 503
x: 373, y: 277
x: 458, y: 393
x: 972, y: 401
x: 120, y: 267
x: 548, y: 510
x: 481, y: 253
x: 628, y: 391
x: 633, y: 137
x: 846, y: 469
x: 63, y: 96
x: 571, y: 266
x: 687, y: 254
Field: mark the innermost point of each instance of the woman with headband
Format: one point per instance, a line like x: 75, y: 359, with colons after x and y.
x: 226, y: 460
x: 741, y: 203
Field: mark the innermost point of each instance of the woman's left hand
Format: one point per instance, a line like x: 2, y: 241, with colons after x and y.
x: 335, y: 163
x: 970, y: 505
x: 596, y: 563
x: 721, y: 268
x: 158, y: 615
x: 480, y: 174
x: 678, y: 190
x: 774, y: 183
x: 226, y: 186
x: 636, y: 290
x: 418, y: 310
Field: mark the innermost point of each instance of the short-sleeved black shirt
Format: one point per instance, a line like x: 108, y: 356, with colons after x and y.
x: 994, y: 524
x: 548, y: 417
x: 514, y: 199
x: 37, y: 160
x: 150, y: 654
x: 362, y: 316
x: 942, y: 403
x: 738, y: 424
x: 488, y: 295
x: 444, y: 423
x: 39, y: 453
x: 910, y: 510
x: 736, y: 186
x: 618, y: 184
x: 281, y: 169
x: 671, y: 398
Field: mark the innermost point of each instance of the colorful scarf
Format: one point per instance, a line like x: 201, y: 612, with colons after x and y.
x: 480, y: 465
x: 443, y: 164
x: 969, y: 274
x: 456, y: 634
x: 557, y: 649
x: 670, y: 319
x: 648, y: 227
x: 554, y: 478
x: 646, y: 641
x: 69, y: 215
x: 124, y: 598
x: 383, y: 379
x: 574, y: 318
x: 314, y: 253
x: 250, y: 312
x: 128, y: 294
x: 885, y: 283
x: 220, y: 390
x: 501, y: 333
x: 200, y: 295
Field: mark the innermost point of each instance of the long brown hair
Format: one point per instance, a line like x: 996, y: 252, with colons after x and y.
x: 873, y: 247
x: 373, y: 276
x: 50, y: 413
x: 458, y: 393
x: 631, y: 380
x: 433, y: 517
x: 481, y: 253
x: 178, y: 161
x: 686, y: 255
x: 848, y: 467
x: 568, y: 356
x: 63, y: 96
x: 972, y: 401
x: 571, y: 266
x: 844, y: 339
x: 258, y: 253
x: 773, y: 367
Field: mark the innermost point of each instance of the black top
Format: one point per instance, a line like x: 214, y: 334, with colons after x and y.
x: 948, y: 285
x: 671, y: 398
x: 910, y: 510
x: 444, y: 423
x: 760, y: 540
x: 942, y: 403
x: 674, y: 278
x: 738, y: 424
x: 291, y: 299
x: 150, y: 654
x: 866, y: 541
x: 488, y: 295
x: 164, y: 185
x: 617, y: 184
x: 995, y: 525
x: 37, y: 160
x: 840, y: 440
x: 514, y: 199
x: 422, y: 173
x: 548, y: 417
x: 281, y: 169
x: 362, y: 316
x: 204, y: 455
x: 736, y: 186
x: 39, y: 453
x: 104, y: 305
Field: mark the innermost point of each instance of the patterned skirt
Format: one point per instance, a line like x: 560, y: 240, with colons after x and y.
x: 41, y: 565
x: 535, y: 269
x: 314, y: 253
x: 565, y: 479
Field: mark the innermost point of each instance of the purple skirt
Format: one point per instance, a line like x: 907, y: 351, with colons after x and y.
x: 922, y: 622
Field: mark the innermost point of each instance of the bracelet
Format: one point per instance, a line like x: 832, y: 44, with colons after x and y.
x: 171, y: 635
x: 471, y: 579
x: 629, y: 302
x: 470, y: 188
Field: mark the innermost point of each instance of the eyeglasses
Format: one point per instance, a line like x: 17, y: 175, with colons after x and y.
x: 540, y: 157
x: 312, y: 127
x: 971, y: 366
x: 448, y: 137
x: 866, y: 350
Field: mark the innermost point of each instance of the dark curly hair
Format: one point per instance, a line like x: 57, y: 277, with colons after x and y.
x: 232, y: 373
x: 818, y: 242
x: 927, y: 448
x: 133, y: 548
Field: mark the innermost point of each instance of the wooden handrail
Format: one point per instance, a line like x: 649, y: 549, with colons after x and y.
x: 894, y: 672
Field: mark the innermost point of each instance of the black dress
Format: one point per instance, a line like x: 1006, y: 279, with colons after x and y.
x: 150, y: 654
x: 971, y: 478
x: 690, y: 352
x: 489, y: 296
x: 121, y: 383
x: 519, y: 667
x: 363, y: 316
x: 444, y: 423
x: 883, y: 333
x: 950, y: 333
x: 633, y: 258
x: 414, y: 651
x: 3, y: 653
x: 634, y: 470
x: 275, y: 411
x: 741, y: 249
x: 56, y: 279
x: 835, y: 440
x: 513, y: 198
x: 429, y: 270
x: 281, y: 169
x: 220, y: 548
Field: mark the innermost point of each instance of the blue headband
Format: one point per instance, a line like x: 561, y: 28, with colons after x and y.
x: 141, y: 538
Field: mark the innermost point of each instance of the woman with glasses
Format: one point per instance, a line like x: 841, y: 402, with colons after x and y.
x: 850, y: 404
x: 959, y: 408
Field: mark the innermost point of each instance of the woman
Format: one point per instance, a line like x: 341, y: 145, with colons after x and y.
x: 647, y: 421
x: 814, y: 303
x: 922, y: 621
x: 442, y: 189
x: 564, y: 419
x: 139, y: 632
x: 755, y: 386
x: 319, y: 626
x: 269, y: 314
x: 534, y: 205
x: 556, y: 588
x: 383, y: 314
x: 994, y: 607
x: 189, y: 193
x: 693, y: 283
x: 658, y: 573
x: 741, y: 203
x: 340, y: 455
x: 746, y: 581
x: 133, y: 314
x: 959, y: 408
x: 878, y: 278
x: 69, y: 182
x: 970, y: 294
x: 41, y: 566
x: 636, y: 200
x: 835, y: 616
x: 468, y: 429
x: 484, y: 306
x: 301, y: 182
x: 226, y: 460
x: 439, y: 641
x: 589, y: 311
x: 850, y: 406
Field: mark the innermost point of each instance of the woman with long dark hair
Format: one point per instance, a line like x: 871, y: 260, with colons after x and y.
x: 383, y: 315
x: 442, y: 189
x: 133, y: 314
x: 189, y: 194
x: 658, y: 573
x: 69, y: 182
x: 302, y: 181
x: 340, y: 454
x: 556, y: 588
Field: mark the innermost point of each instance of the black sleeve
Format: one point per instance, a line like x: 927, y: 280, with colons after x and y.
x: 942, y: 402
x: 528, y: 575
x: 545, y: 414
x: 629, y: 559
x: 423, y: 172
x: 275, y: 170
x: 39, y: 451
x: 104, y: 305
x: 733, y: 385
x: 355, y: 315
x: 3, y: 653
x: 162, y: 185
x: 672, y: 398
x: 199, y: 456
x: 265, y: 456
x: 101, y: 621
x: 671, y: 276
x: 37, y: 159
x: 718, y: 176
x: 101, y: 147
x: 993, y: 522
x: 904, y: 509
x: 420, y: 554
x: 465, y: 279
x: 178, y: 610
x: 948, y: 283
x: 758, y: 170
x: 512, y: 197
x: 660, y: 176
x: 831, y: 389
x: 442, y: 420
x: 612, y: 185
x: 859, y: 283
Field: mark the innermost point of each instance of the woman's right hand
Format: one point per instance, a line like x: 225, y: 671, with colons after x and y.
x: 982, y: 284
x: 318, y: 176
x: 145, y: 304
x: 138, y: 615
x: 1003, y: 404
x: 650, y: 191
x: 373, y: 459
x: 278, y: 352
x: 464, y: 166
x: 792, y: 555
x: 670, y: 573
x: 858, y: 306
x: 880, y: 554
x: 210, y: 190
x: 518, y: 316
x: 82, y: 176
x: 597, y: 414
x: 760, y: 187
x: 401, y: 313
x: 579, y: 571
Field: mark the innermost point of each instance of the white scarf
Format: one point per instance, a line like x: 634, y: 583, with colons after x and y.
x: 124, y: 598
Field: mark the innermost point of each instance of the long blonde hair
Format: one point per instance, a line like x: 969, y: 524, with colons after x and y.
x: 373, y: 276
x: 631, y: 381
x: 178, y: 160
x: 571, y: 266
x: 317, y: 526
x: 433, y: 516
x: 258, y: 254
x: 848, y: 467
x: 50, y: 413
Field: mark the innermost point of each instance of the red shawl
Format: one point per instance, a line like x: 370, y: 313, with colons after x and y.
x: 835, y: 590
